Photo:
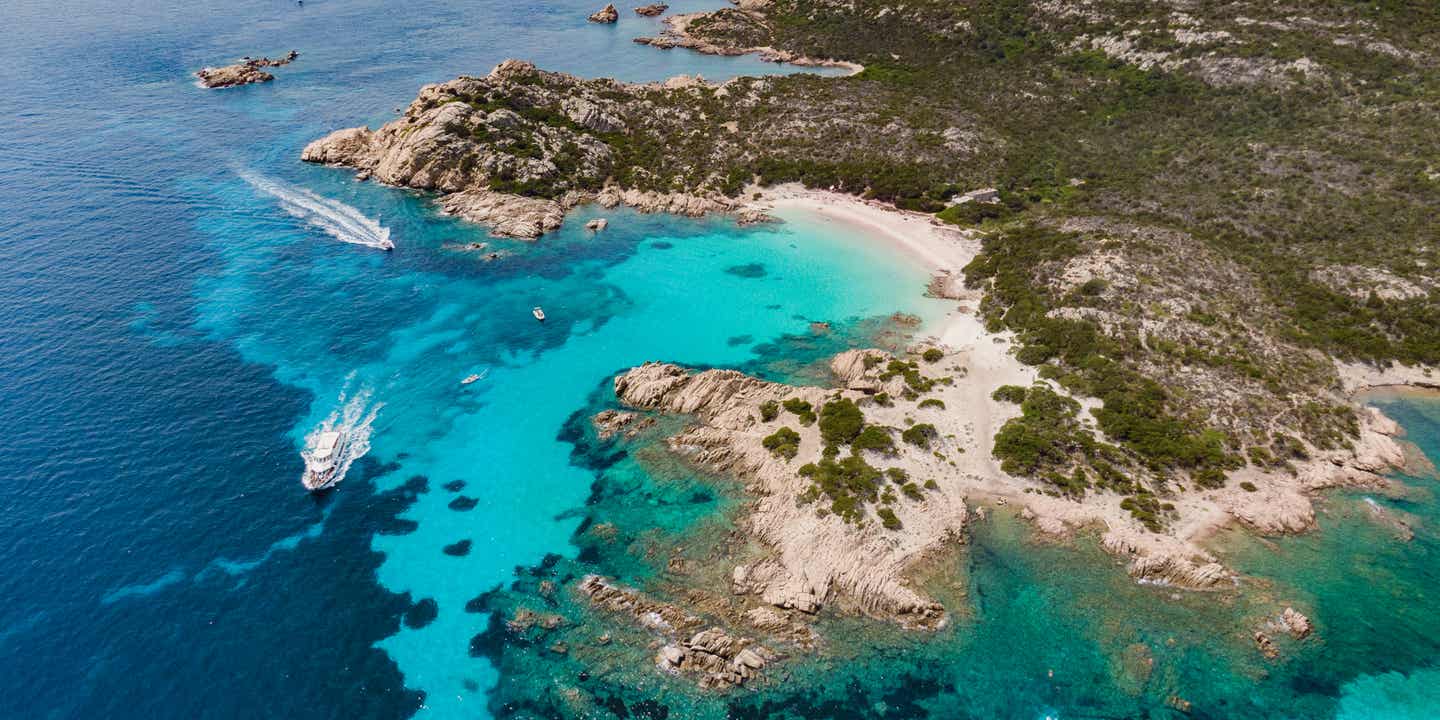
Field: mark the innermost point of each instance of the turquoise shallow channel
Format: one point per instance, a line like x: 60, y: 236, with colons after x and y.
x: 184, y: 302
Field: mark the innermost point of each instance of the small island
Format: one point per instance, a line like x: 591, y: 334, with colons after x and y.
x: 245, y: 72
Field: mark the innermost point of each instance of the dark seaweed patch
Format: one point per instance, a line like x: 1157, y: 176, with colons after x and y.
x: 458, y: 549
x: 463, y: 503
x: 739, y: 340
x: 421, y: 613
x: 481, y: 603
x: 455, y: 485
x: 396, y: 526
x: 748, y: 270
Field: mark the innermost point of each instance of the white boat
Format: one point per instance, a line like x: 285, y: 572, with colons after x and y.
x: 469, y: 379
x: 538, y: 313
x: 322, y: 460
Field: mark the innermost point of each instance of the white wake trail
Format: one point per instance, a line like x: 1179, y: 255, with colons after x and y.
x: 354, y: 416
x: 335, y: 218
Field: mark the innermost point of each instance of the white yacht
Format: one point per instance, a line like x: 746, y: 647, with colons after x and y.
x: 322, y: 460
x: 538, y: 313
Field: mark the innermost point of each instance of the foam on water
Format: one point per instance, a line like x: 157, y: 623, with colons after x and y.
x: 334, y: 218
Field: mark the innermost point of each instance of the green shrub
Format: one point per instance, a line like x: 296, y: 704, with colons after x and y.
x: 910, y: 372
x: 841, y: 421
x: 919, y: 434
x: 883, y: 400
x: 1094, y: 286
x: 932, y: 355
x: 802, y: 410
x: 1147, y: 509
x: 769, y: 410
x: 973, y: 213
x: 1248, y: 486
x: 783, y: 443
x: 849, y: 483
x: 873, y: 437
x: 912, y: 491
x: 932, y: 485
x: 1009, y: 393
x: 888, y: 519
x: 897, y: 475
x: 1209, y: 477
x: 936, y: 403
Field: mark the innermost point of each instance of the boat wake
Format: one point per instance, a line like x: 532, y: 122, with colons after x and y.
x: 354, y: 417
x: 340, y: 221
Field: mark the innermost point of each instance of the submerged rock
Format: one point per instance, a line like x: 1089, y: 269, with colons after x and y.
x: 609, y: 422
x: 651, y: 10
x: 597, y: 224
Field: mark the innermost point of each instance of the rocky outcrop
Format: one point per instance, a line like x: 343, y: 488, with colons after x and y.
x: 607, y: 14
x: 649, y: 201
x: 817, y: 559
x: 1166, y: 560
x: 247, y: 71
x: 456, y: 138
x: 597, y: 224
x: 862, y: 370
x: 754, y: 216
x: 506, y: 215
x: 1296, y: 623
x: 447, y: 142
x: 1289, y: 622
x: 651, y: 10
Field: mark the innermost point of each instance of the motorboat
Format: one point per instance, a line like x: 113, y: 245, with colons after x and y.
x: 322, y: 460
x: 538, y: 313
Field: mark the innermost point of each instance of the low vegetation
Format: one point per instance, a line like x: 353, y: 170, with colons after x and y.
x: 784, y: 443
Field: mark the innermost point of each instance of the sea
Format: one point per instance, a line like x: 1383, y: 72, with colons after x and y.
x: 183, y: 303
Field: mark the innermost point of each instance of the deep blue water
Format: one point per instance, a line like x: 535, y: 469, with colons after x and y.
x: 170, y: 334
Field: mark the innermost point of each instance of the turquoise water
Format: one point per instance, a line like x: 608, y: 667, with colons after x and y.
x: 647, y: 288
x: 184, y: 302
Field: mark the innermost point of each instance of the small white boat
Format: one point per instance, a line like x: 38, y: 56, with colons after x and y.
x: 469, y: 379
x: 322, y: 460
x: 538, y: 313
